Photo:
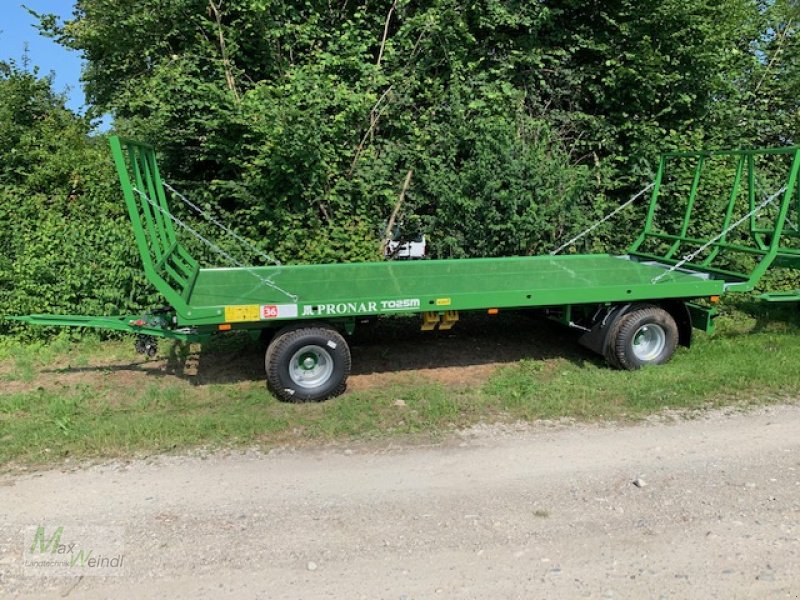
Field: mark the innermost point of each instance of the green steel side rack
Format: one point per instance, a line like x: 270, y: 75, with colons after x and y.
x: 633, y: 308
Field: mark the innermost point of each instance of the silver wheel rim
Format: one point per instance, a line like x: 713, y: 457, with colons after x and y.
x: 310, y: 367
x: 649, y: 342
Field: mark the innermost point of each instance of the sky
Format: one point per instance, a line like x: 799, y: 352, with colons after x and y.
x: 17, y: 30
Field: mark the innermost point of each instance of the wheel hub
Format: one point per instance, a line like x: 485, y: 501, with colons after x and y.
x: 649, y: 342
x: 310, y: 367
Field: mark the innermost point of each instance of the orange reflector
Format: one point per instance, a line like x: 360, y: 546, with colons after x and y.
x: 493, y: 311
x: 714, y: 299
x: 225, y: 327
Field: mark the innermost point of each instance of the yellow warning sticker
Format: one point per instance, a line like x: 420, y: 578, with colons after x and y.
x: 443, y: 302
x: 242, y: 313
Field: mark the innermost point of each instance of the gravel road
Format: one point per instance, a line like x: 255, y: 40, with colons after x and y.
x: 700, y: 508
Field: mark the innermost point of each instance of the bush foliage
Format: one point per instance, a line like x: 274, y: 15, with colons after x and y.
x: 297, y: 122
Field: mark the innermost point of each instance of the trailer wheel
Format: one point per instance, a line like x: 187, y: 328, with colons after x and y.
x: 307, y: 364
x: 644, y: 336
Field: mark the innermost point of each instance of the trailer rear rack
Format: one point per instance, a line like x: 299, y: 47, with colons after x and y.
x: 768, y: 245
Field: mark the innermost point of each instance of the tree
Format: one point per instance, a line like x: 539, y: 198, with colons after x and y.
x: 299, y: 120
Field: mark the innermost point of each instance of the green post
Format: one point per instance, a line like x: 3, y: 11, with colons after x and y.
x: 689, y: 206
x: 775, y: 242
x: 737, y: 180
x: 651, y: 209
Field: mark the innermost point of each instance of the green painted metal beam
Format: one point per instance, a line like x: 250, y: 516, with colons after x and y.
x: 126, y: 324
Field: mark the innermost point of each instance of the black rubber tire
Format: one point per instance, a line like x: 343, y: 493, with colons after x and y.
x: 619, y: 343
x: 286, y: 343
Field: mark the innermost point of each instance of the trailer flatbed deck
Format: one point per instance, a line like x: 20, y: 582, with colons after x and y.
x: 634, y: 309
x: 464, y: 284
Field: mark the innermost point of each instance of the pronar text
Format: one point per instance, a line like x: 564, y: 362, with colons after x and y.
x: 354, y: 308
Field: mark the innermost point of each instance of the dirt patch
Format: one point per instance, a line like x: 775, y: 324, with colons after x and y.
x: 390, y: 352
x: 106, y: 373
x: 467, y: 376
x: 397, y: 351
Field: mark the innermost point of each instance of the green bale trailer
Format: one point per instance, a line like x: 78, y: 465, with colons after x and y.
x: 634, y: 309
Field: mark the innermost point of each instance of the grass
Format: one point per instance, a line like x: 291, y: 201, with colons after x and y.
x: 92, y: 399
